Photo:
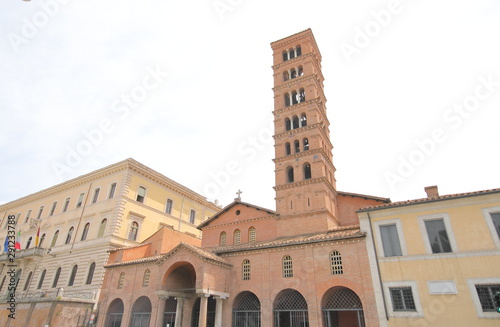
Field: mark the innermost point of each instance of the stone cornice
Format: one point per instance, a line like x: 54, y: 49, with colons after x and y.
x: 319, y: 126
x: 316, y: 101
x: 304, y: 154
x: 298, y: 60
x: 306, y: 182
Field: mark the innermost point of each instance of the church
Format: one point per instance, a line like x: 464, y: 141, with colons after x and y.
x: 305, y: 264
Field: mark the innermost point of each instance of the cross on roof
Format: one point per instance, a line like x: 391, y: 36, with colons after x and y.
x: 239, y: 195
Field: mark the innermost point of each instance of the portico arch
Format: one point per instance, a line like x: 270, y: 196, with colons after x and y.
x: 180, y: 278
x: 342, y: 307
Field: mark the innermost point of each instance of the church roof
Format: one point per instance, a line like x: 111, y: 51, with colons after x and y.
x: 334, y: 234
x: 228, y: 207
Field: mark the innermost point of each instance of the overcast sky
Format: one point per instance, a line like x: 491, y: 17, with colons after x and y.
x: 185, y: 87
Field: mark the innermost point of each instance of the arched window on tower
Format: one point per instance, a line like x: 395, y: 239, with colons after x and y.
x: 285, y: 56
x: 291, y: 53
x: 295, y: 97
x: 286, y: 76
x: 289, y: 174
x: 306, y: 144
x: 296, y: 145
x: 295, y: 122
x: 288, y: 124
x: 293, y: 73
x: 298, y: 50
x: 302, y: 95
x: 287, y: 148
x: 303, y: 120
x: 301, y: 71
x: 287, y: 100
x: 307, y: 171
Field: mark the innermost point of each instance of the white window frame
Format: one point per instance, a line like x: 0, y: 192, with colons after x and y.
x: 378, y: 237
x: 475, y: 298
x: 487, y: 216
x: 416, y: 299
x: 449, y: 231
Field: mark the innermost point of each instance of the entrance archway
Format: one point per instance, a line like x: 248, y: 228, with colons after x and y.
x: 342, y: 308
x: 115, y: 313
x: 290, y: 309
x: 246, y: 310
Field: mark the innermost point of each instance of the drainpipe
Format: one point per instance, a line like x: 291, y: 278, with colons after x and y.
x: 378, y: 267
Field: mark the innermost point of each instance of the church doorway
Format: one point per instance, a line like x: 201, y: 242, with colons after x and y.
x: 342, y: 308
x: 246, y: 310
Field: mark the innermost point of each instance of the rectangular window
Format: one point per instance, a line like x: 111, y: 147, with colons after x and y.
x: 112, y: 191
x: 40, y: 213
x: 80, y: 200
x: 27, y: 216
x: 495, y: 217
x: 168, y: 208
x: 402, y: 299
x: 53, y: 208
x: 141, y: 194
x: 96, y: 195
x: 390, y: 240
x: 66, y: 204
x: 486, y: 293
x: 192, y: 216
x: 438, y: 237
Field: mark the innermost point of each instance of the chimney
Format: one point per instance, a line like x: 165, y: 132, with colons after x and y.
x: 432, y: 191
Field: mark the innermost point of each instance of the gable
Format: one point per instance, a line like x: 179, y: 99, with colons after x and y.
x: 237, y: 212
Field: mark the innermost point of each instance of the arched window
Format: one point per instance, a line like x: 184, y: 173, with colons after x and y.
x: 285, y: 56
x: 293, y: 73
x: 28, y: 281
x: 245, y: 270
x: 301, y: 71
x: 56, y: 277
x: 141, y: 312
x: 291, y: 53
x: 134, y: 229
x: 287, y: 148
x: 90, y: 274
x: 287, y: 266
x: 295, y: 122
x: 73, y: 275
x: 54, y: 239
x: 29, y: 242
x: 246, y: 310
x: 290, y: 309
x: 287, y: 99
x: 85, y: 231
x: 115, y: 313
x: 145, y: 278
x: 252, y: 234
x: 296, y: 146
x: 298, y: 50
x: 40, y: 280
x: 288, y: 124
x: 121, y: 280
x: 307, y: 170
x: 305, y: 142
x: 302, y: 95
x: 41, y: 240
x: 295, y: 97
x: 303, y: 120
x: 339, y: 304
x: 289, y: 174
x: 102, y: 227
x: 70, y: 234
x: 285, y: 76
x: 237, y: 237
x: 336, y: 263
x: 222, y: 239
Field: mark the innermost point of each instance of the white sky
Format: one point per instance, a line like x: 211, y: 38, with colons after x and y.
x: 64, y: 70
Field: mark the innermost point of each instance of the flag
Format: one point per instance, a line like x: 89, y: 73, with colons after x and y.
x: 37, y: 236
x: 18, y: 241
x: 6, y: 244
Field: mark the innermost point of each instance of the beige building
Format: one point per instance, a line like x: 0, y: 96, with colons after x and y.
x: 59, y: 277
x: 437, y: 259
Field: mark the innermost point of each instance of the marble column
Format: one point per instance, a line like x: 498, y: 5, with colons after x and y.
x: 202, y: 322
x: 160, y: 311
x: 178, y: 311
x: 218, y: 310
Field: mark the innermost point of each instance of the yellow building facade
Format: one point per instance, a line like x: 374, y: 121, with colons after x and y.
x: 436, y: 259
x: 59, y: 277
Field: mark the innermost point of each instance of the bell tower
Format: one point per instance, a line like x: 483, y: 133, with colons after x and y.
x: 305, y: 174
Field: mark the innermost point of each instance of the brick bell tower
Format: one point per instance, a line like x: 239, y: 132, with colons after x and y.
x: 305, y: 174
